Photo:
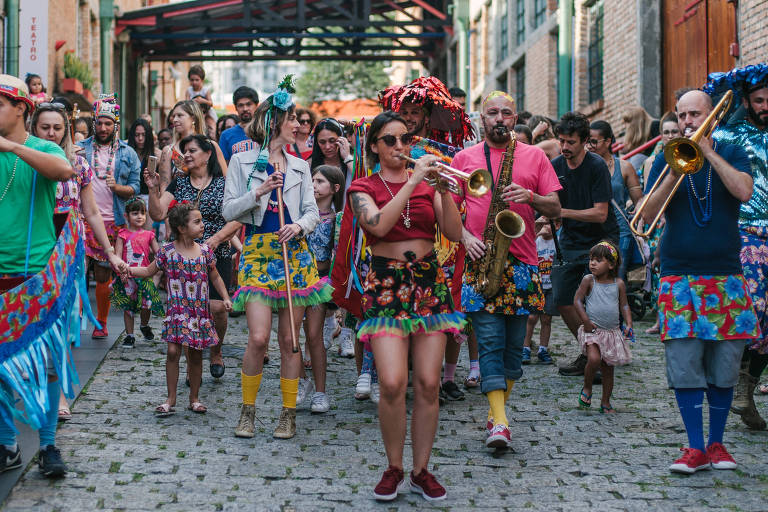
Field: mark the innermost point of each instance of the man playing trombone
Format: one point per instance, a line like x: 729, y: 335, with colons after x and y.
x: 523, y: 182
x: 705, y: 311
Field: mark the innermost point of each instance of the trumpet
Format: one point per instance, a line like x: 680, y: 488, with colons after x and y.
x: 684, y: 157
x: 479, y: 181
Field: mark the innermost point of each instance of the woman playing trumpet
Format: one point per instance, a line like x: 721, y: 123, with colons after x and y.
x: 406, y: 302
x: 250, y: 197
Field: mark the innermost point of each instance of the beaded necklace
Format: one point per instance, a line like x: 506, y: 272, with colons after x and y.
x: 704, y: 203
x: 407, y: 215
x: 13, y: 173
x: 95, y: 162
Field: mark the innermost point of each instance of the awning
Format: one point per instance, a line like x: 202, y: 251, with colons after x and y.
x: 288, y: 30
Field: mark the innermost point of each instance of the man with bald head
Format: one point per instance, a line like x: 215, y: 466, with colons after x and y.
x: 705, y: 311
x: 499, y: 322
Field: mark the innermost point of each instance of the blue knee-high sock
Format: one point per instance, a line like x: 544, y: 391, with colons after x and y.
x: 691, y: 402
x: 367, y: 365
x: 48, y: 431
x: 719, y: 406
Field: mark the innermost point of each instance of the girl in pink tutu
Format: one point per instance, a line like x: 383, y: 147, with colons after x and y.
x: 600, y: 299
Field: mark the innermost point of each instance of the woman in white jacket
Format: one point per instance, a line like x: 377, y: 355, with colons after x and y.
x: 250, y: 197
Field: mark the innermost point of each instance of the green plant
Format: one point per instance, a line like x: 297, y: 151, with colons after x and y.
x: 76, y: 68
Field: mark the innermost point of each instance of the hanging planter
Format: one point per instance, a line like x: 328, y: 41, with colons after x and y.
x: 72, y: 85
x: 74, y: 68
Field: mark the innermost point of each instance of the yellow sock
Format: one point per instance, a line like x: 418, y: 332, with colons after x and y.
x: 250, y: 387
x: 510, y: 385
x: 496, y: 399
x: 290, y: 389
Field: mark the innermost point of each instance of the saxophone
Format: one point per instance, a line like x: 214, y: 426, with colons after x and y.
x: 501, y: 226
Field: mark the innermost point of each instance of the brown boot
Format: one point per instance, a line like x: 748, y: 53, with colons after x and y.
x: 286, y: 426
x: 741, y: 398
x: 245, y: 426
x: 750, y: 416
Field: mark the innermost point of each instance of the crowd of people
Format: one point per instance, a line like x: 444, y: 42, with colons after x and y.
x: 382, y: 233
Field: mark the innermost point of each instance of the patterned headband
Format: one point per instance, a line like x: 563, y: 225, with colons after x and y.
x: 611, y: 249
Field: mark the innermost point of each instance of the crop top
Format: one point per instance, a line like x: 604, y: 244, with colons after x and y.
x: 422, y: 209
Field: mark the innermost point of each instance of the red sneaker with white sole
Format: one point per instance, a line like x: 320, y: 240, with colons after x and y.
x: 719, y: 457
x: 499, y: 437
x: 693, y: 460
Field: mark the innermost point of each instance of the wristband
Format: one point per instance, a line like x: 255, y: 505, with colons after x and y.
x: 531, y: 192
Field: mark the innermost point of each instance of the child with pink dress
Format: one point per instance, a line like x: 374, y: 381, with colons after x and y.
x: 135, y: 245
x: 188, y: 323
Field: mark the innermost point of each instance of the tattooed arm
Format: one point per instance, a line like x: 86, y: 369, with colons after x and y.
x: 374, y: 220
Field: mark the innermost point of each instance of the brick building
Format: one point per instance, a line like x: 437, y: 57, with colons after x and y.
x: 598, y: 56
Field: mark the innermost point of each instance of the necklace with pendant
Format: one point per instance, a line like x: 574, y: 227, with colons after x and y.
x: 407, y: 215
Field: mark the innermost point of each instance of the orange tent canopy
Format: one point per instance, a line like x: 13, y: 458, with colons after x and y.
x: 348, y: 110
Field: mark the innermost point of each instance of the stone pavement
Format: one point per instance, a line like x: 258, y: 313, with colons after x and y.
x: 563, y: 459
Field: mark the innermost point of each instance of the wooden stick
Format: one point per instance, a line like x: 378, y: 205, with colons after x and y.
x: 287, y: 269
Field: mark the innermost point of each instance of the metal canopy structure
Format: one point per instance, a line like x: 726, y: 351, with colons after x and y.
x: 249, y: 30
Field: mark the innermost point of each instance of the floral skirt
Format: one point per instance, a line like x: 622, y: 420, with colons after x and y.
x: 614, y: 349
x: 261, y: 274
x: 93, y: 248
x: 520, y: 292
x: 406, y: 297
x: 754, y: 262
x: 134, y: 294
x: 706, y: 307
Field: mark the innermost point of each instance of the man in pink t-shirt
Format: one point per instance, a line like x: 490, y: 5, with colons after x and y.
x: 500, y: 321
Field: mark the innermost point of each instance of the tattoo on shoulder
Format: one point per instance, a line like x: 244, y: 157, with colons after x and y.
x: 360, y: 209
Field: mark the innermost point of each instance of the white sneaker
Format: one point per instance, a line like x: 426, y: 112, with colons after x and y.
x: 375, y: 393
x: 306, y: 388
x: 363, y: 386
x: 329, y: 327
x: 320, y: 402
x: 347, y: 343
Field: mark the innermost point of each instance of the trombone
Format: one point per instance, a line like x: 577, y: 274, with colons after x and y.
x: 479, y: 181
x: 684, y: 157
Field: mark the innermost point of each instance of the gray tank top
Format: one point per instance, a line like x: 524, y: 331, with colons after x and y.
x: 603, y: 305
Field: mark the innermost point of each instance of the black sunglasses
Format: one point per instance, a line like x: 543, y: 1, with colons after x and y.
x: 305, y: 121
x: 391, y: 140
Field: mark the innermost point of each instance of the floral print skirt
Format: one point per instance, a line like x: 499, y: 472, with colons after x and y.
x: 754, y: 262
x: 406, y: 297
x: 93, y: 248
x: 261, y: 274
x: 706, y: 307
x: 520, y: 292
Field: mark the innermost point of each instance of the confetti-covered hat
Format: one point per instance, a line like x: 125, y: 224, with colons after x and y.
x: 107, y: 106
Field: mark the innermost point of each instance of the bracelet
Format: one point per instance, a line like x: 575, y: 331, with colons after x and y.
x: 531, y: 192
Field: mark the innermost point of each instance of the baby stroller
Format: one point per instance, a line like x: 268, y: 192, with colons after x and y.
x: 638, y: 275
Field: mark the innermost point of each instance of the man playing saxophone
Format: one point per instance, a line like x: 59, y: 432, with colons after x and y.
x: 501, y: 281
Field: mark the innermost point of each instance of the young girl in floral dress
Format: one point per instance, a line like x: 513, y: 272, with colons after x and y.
x: 187, y: 266
x: 135, y: 245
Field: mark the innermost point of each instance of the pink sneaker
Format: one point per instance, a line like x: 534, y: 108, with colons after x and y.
x: 719, y: 457
x: 499, y: 437
x: 693, y: 460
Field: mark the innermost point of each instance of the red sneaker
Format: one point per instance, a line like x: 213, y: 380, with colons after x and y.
x: 390, y: 484
x: 425, y: 484
x: 488, y: 427
x: 719, y: 457
x: 692, y: 461
x: 100, y: 334
x: 498, y: 437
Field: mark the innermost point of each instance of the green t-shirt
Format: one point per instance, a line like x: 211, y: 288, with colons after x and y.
x: 14, y: 211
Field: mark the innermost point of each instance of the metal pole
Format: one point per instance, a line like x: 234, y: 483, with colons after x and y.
x: 564, y: 50
x: 106, y: 15
x: 12, y: 65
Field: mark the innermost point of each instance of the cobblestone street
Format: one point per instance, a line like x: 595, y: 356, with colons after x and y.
x: 563, y: 459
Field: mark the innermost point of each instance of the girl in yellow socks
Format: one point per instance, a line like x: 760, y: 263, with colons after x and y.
x: 250, y: 197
